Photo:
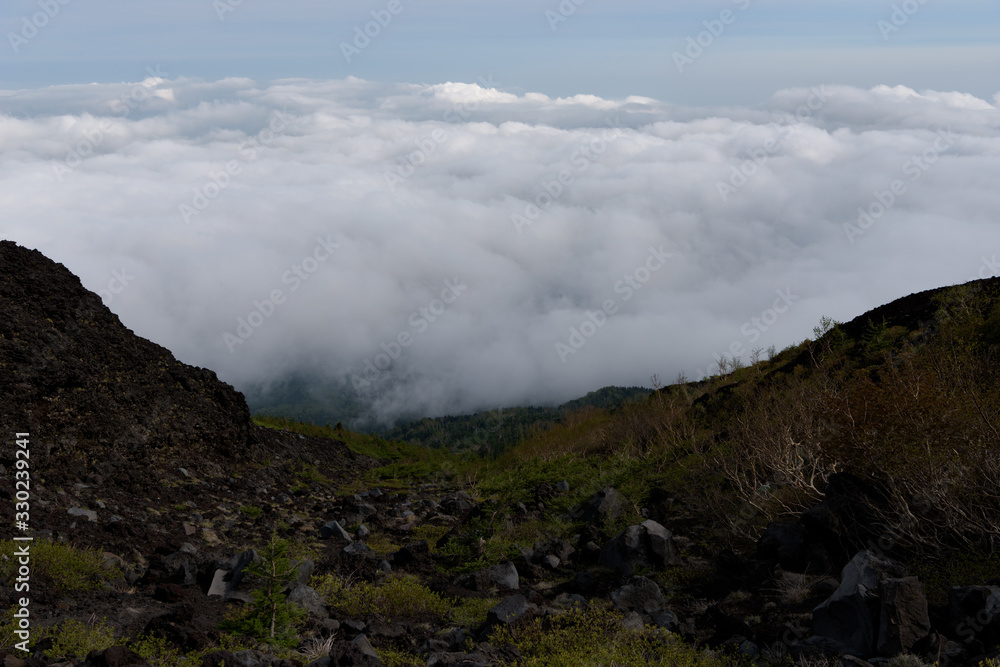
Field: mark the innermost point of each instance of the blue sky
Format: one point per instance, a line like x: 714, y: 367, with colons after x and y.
x: 610, y: 49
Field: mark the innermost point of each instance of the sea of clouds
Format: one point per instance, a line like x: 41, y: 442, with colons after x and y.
x: 448, y: 248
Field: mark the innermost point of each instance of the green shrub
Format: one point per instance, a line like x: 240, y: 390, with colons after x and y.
x: 470, y: 612
x: 399, y: 595
x: 252, y: 511
x: 74, y: 639
x: 393, y: 658
x: 595, y: 636
x: 65, y: 569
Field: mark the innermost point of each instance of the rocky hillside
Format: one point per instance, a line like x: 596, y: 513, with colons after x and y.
x: 97, y: 398
x: 834, y: 505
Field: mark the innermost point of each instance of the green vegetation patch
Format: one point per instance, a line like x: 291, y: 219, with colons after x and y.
x: 595, y: 636
x: 63, y: 568
x: 396, y: 596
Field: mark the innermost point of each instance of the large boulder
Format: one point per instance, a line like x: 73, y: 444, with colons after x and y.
x: 510, y: 610
x: 229, y: 576
x: 876, y: 609
x: 356, y: 653
x: 505, y: 576
x: 308, y: 599
x: 603, y: 506
x: 181, y: 567
x: 903, y: 620
x: 334, y: 529
x: 647, y: 545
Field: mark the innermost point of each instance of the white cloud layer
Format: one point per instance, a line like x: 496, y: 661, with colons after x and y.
x: 188, y: 201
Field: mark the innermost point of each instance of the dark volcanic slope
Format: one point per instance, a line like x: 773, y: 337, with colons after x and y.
x: 84, y: 385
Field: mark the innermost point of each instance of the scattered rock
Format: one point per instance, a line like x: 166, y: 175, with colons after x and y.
x: 646, y: 545
x: 508, y: 612
x: 357, y: 549
x: 355, y: 653
x: 91, y: 515
x: 457, y: 504
x: 605, y: 505
x: 505, y: 576
x: 308, y: 599
x: 411, y: 553
x: 181, y: 567
x: 640, y: 595
x: 334, y: 529
x: 874, y: 608
x: 903, y: 620
x: 219, y: 659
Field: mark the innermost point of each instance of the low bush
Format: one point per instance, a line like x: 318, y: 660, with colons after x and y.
x: 61, y: 567
x: 396, y: 596
x: 595, y: 636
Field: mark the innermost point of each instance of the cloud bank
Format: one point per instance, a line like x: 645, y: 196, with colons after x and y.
x: 448, y: 248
